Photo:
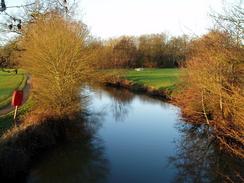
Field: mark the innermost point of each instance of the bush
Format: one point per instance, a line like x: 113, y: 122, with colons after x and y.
x: 213, y: 93
x: 58, y: 57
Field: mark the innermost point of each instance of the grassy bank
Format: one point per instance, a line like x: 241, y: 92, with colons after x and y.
x: 9, y: 81
x: 156, y: 78
x: 6, y: 121
x: 160, y: 83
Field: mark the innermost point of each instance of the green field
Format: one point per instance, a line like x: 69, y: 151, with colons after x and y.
x: 9, y: 81
x: 157, y: 78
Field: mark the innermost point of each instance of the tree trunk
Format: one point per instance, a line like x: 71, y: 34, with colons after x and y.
x: 204, y: 108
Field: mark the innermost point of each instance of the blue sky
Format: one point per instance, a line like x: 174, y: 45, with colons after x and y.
x: 113, y: 18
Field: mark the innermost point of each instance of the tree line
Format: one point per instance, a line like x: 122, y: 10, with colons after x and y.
x: 150, y: 51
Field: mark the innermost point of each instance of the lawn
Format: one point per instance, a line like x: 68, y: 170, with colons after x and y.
x: 6, y: 121
x: 9, y: 81
x: 157, y: 78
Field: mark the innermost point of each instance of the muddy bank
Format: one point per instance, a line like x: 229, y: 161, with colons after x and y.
x: 162, y: 94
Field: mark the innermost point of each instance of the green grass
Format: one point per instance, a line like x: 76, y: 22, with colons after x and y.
x: 6, y: 121
x: 9, y: 81
x: 157, y: 78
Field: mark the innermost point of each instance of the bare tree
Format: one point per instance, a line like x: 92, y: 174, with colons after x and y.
x: 214, y: 90
x: 28, y: 12
x: 58, y: 56
x: 231, y: 21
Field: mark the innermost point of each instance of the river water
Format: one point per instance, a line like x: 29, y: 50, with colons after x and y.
x: 133, y: 139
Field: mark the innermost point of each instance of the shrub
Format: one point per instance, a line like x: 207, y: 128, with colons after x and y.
x: 58, y: 57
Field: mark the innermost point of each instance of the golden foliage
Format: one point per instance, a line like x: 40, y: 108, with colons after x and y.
x: 215, y: 78
x: 59, y: 60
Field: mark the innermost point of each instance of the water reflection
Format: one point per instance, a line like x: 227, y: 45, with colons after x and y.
x: 80, y: 159
x: 121, y: 99
x: 120, y: 103
x: 137, y: 150
x: 199, y: 160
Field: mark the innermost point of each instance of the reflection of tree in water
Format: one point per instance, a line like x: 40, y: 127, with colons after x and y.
x: 79, y: 159
x: 154, y: 100
x: 198, y: 159
x: 121, y: 99
x: 119, y: 110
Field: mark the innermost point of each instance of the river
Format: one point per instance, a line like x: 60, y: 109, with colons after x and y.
x: 135, y: 139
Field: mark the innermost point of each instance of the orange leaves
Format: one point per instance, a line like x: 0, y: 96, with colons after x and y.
x: 59, y: 59
x: 214, y: 80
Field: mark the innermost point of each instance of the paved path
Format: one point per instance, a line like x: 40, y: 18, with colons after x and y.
x: 26, y: 91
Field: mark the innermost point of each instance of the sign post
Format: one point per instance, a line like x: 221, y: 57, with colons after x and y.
x: 17, y: 99
x: 15, y: 112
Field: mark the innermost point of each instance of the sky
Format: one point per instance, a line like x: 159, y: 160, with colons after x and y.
x: 114, y: 18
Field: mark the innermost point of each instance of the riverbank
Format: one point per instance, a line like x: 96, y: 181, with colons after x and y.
x: 25, y: 86
x: 164, y: 94
x: 157, y: 83
x: 6, y: 120
x: 22, y: 145
x: 10, y: 80
x: 158, y: 78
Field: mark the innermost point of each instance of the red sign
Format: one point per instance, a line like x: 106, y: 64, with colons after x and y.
x: 17, y: 98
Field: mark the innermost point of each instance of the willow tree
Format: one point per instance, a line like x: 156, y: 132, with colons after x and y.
x: 58, y: 57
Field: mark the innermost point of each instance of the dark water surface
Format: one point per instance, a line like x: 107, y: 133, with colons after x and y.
x: 133, y: 139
